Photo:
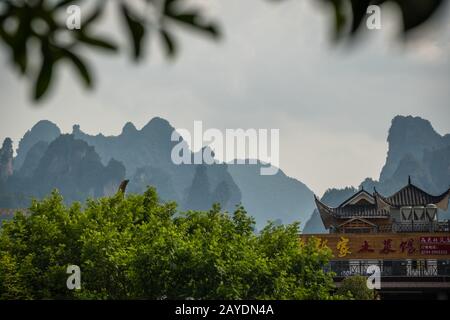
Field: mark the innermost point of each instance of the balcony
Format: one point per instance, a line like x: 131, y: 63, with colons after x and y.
x: 393, y: 268
x: 414, y: 226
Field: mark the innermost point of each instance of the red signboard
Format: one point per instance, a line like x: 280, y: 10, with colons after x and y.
x: 435, y: 245
x: 392, y: 246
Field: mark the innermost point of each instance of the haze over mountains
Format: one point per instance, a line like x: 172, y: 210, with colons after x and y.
x: 416, y: 150
x: 82, y: 165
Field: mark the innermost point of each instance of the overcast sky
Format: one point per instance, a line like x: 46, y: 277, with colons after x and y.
x: 275, y: 68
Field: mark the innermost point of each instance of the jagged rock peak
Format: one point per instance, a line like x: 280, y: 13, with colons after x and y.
x: 128, y: 128
x: 158, y: 124
x: 45, y: 125
x: 6, y: 159
x: 76, y: 129
x: 407, y: 126
x: 409, y: 136
x: 43, y: 130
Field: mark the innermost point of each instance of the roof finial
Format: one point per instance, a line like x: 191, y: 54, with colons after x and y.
x: 409, y: 180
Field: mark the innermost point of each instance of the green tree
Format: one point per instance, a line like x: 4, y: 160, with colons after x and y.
x: 135, y: 247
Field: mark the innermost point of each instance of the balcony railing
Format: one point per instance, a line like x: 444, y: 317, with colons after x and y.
x: 416, y: 227
x: 392, y: 268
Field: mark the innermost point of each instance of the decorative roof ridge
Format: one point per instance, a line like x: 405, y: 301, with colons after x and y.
x: 354, y: 196
x: 380, y: 201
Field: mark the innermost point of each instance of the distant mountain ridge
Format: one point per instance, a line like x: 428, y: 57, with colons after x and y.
x: 67, y: 164
x: 289, y: 199
x: 83, y: 165
x: 44, y: 130
x: 144, y: 157
x: 411, y: 137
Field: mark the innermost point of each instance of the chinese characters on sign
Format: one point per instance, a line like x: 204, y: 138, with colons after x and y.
x: 366, y: 247
x: 343, y: 247
x: 435, y: 245
x: 377, y: 246
x: 387, y: 247
x: 408, y: 246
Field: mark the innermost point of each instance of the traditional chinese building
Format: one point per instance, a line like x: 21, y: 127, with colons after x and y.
x: 401, y: 234
x: 409, y: 210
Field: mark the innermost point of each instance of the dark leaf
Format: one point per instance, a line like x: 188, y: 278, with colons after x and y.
x: 45, y: 75
x: 93, y: 17
x: 63, y: 3
x: 83, y: 71
x: 193, y: 20
x: 96, y: 42
x: 136, y: 29
x: 21, y: 60
x: 340, y: 17
x: 416, y: 12
x: 359, y: 9
x: 169, y: 43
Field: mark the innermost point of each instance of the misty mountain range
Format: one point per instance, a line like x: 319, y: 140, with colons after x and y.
x: 80, y: 165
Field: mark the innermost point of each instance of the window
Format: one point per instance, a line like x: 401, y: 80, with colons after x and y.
x: 419, y: 213
x: 406, y: 213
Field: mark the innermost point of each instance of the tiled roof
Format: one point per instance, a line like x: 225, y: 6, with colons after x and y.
x: 411, y: 195
x: 351, y: 211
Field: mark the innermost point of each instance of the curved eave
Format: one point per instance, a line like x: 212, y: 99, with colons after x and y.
x: 381, y: 202
x: 326, y: 213
x: 442, y: 200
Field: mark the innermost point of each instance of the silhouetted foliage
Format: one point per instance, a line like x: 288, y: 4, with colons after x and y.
x: 44, y: 22
x: 27, y: 22
x: 414, y: 13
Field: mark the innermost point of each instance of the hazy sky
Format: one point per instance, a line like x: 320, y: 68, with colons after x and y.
x: 275, y: 68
